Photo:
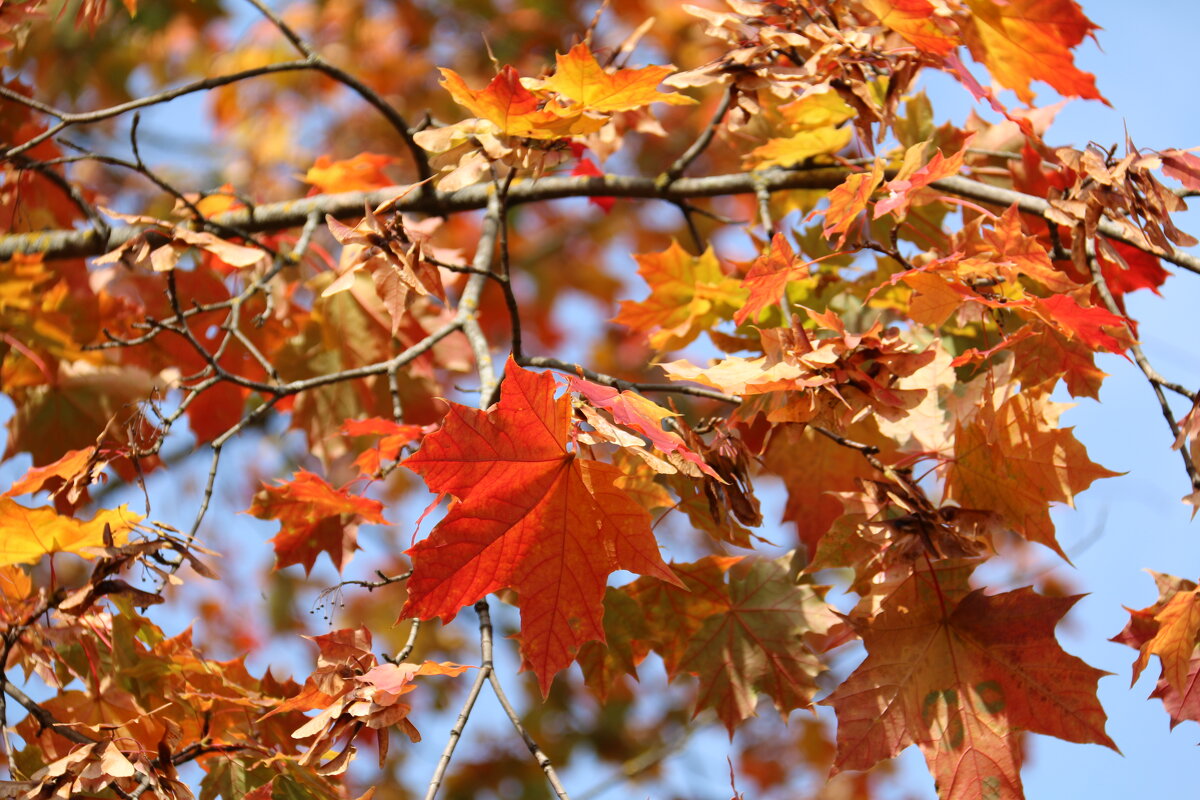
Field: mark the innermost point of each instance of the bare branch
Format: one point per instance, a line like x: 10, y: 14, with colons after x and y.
x: 623, y: 385
x: 361, y: 89
x: 542, y: 759
x: 67, y: 119
x: 1157, y: 383
x: 485, y: 669
x: 276, y: 216
x: 692, y: 153
x: 468, y: 305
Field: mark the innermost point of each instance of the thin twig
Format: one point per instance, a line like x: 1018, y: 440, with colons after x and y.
x: 869, y: 451
x: 485, y: 669
x: 409, y: 645
x: 421, y: 161
x: 624, y: 385
x: 686, y: 210
x: 702, y: 141
x: 539, y: 755
x: 44, y: 718
x: 67, y: 119
x: 1155, y: 380
x: 505, y: 279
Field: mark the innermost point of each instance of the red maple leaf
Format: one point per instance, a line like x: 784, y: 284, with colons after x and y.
x: 768, y: 277
x: 314, y: 518
x: 532, y: 516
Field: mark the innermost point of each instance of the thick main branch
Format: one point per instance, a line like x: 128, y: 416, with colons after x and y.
x: 292, y: 213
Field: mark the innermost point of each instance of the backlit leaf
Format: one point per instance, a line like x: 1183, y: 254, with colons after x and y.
x: 532, y: 516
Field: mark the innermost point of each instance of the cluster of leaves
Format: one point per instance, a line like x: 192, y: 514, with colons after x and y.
x: 915, y: 294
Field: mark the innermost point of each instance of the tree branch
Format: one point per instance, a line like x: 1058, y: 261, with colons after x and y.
x: 291, y: 213
x: 485, y: 669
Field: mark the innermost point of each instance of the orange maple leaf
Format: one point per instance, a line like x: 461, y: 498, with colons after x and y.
x: 958, y: 673
x: 916, y: 21
x: 67, y: 479
x: 515, y: 110
x: 580, y: 78
x: 1014, y: 461
x: 904, y: 187
x: 314, y: 518
x: 1168, y: 628
x: 1096, y: 327
x: 393, y: 437
x: 362, y: 173
x: 849, y: 200
x: 531, y: 516
x: 1021, y: 41
x: 768, y: 276
x: 1041, y: 357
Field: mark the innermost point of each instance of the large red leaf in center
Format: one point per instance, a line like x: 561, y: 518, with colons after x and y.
x: 531, y: 516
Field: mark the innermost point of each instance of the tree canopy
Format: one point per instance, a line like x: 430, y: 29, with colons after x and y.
x: 487, y: 329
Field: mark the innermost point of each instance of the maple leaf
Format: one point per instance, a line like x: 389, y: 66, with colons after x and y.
x: 768, y: 276
x: 393, y: 437
x: 902, y: 189
x: 848, y: 200
x: 935, y: 298
x: 27, y: 534
x: 515, y: 110
x: 1132, y: 269
x: 1086, y: 323
x: 959, y: 673
x: 915, y: 20
x: 1175, y: 640
x: 314, y: 518
x: 1018, y: 253
x: 1044, y: 356
x: 1011, y: 459
x: 1183, y: 703
x: 1168, y: 629
x: 687, y: 295
x: 626, y: 643
x: 1021, y: 41
x: 531, y: 516
x: 800, y: 146
x: 580, y: 78
x: 737, y: 624
x: 362, y: 173
x: 811, y: 128
x: 644, y: 416
x: 754, y: 642
x: 66, y: 479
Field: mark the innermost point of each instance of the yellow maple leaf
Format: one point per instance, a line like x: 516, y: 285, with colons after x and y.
x: 580, y: 78
x: 811, y: 124
x: 27, y: 534
x: 688, y: 294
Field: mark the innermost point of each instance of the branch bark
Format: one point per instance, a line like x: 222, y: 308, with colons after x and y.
x: 292, y: 213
